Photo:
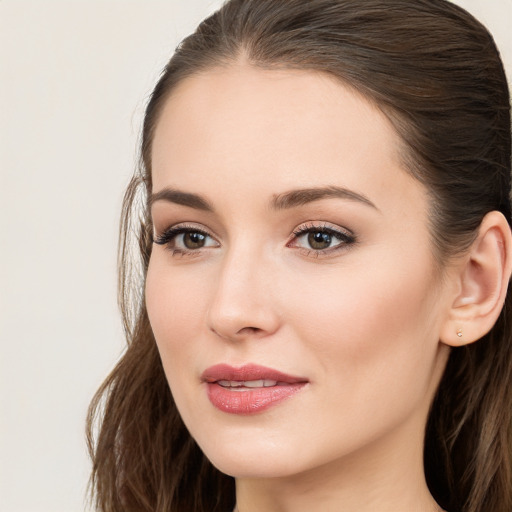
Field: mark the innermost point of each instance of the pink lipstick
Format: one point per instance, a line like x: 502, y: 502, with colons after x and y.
x: 250, y: 388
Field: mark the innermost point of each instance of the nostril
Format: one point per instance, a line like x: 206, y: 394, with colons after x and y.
x: 249, y: 330
x: 244, y: 332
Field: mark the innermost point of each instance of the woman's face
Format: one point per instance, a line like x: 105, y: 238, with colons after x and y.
x: 292, y: 290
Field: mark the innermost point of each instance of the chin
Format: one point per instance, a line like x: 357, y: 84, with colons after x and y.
x: 253, y: 467
x: 252, y: 455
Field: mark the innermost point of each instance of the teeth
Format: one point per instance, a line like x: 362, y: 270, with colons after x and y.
x: 262, y: 383
x: 230, y: 383
x: 259, y: 383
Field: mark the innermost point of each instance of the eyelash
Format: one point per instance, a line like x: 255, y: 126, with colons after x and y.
x: 345, y: 237
x: 168, y: 237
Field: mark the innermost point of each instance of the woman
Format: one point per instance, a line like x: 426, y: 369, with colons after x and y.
x: 326, y: 251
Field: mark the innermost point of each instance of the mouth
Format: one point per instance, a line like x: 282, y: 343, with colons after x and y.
x: 242, y: 385
x: 250, y: 388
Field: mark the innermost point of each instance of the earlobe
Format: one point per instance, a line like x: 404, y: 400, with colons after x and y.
x: 482, y: 280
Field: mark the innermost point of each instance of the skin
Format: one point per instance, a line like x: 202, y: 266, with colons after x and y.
x: 361, y: 322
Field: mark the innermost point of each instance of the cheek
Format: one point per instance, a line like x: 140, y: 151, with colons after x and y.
x: 369, y: 334
x: 369, y: 321
x: 176, y: 305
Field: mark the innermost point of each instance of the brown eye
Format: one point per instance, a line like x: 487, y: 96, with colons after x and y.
x: 322, y: 240
x: 319, y: 240
x: 183, y: 239
x: 193, y: 240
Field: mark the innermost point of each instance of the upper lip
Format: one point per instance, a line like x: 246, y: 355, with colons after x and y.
x: 247, y: 372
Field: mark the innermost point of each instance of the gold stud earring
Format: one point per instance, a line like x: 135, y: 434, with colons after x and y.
x: 459, y: 333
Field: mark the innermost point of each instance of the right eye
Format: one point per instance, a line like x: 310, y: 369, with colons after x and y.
x: 185, y: 240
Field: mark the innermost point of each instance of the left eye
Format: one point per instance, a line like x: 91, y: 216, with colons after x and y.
x: 321, y: 239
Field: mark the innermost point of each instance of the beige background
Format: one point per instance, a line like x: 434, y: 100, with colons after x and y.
x: 74, y: 77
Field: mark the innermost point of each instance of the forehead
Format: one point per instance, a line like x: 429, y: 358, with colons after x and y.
x: 277, y: 129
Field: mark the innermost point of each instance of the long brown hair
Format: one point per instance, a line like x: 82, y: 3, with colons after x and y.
x: 435, y: 72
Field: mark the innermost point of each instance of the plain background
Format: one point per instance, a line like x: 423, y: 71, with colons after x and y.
x: 74, y: 78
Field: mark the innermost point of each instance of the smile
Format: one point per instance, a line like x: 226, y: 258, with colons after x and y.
x: 248, y: 389
x: 241, y: 385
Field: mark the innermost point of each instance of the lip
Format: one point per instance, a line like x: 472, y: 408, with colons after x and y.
x: 249, y: 400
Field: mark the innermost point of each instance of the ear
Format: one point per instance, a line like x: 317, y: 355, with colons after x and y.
x: 481, y: 279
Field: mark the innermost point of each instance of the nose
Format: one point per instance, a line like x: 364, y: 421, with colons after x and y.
x: 243, y: 303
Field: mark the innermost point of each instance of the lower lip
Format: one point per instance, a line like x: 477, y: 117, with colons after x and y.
x: 250, y: 400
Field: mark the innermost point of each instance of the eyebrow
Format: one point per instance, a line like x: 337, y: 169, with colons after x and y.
x: 308, y: 195
x: 286, y: 200
x: 172, y: 195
